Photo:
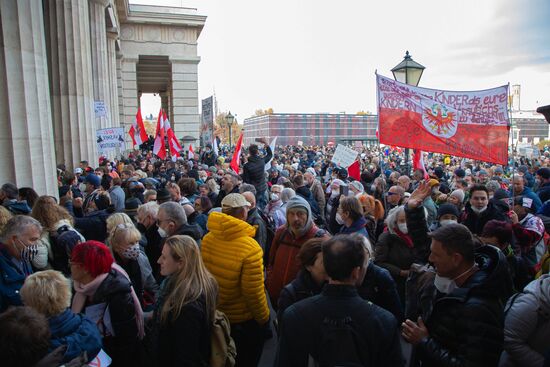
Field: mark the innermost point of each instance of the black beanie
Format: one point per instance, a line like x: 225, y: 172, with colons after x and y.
x: 447, y: 209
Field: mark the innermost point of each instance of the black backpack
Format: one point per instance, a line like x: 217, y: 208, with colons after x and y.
x: 62, y: 243
x: 270, y: 230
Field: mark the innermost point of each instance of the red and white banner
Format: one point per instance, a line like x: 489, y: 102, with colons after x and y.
x: 418, y: 163
x: 236, y: 160
x: 471, y: 124
x: 173, y: 142
x: 191, y: 153
x: 160, y: 148
x: 137, y: 131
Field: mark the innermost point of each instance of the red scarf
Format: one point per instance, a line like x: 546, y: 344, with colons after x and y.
x: 405, y: 237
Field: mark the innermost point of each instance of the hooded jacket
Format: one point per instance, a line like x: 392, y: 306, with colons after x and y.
x: 465, y: 326
x: 528, y: 193
x: 234, y: 258
x: 17, y: 207
x: 527, y: 325
x: 77, y: 332
x: 283, y: 265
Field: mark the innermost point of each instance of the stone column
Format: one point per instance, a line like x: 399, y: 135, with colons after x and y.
x: 100, y: 66
x: 26, y: 140
x: 113, y: 78
x: 129, y: 94
x: 185, y: 98
x: 120, y: 89
x: 68, y: 38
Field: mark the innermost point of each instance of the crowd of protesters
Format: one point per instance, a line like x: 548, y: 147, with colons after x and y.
x: 189, y: 263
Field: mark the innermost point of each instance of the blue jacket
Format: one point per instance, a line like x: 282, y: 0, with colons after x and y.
x: 77, y: 332
x: 356, y: 227
x: 544, y: 192
x: 528, y: 193
x: 11, y: 280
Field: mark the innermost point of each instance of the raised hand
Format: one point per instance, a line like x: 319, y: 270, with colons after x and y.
x: 419, y: 195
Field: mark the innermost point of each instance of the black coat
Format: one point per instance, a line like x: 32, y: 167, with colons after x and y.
x: 115, y: 291
x: 544, y: 192
x: 300, y: 288
x: 475, y: 223
x: 466, y: 326
x: 93, y: 226
x: 379, y: 288
x: 223, y: 194
x: 254, y: 170
x: 301, y: 328
x: 184, y: 341
x: 153, y: 250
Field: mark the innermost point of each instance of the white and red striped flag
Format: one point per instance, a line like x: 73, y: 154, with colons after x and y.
x: 137, y: 131
x: 160, y: 148
x: 236, y: 160
x: 191, y: 153
x: 418, y: 162
x: 173, y: 143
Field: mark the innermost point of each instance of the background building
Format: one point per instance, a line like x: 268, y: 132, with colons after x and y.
x: 60, y: 59
x: 311, y: 129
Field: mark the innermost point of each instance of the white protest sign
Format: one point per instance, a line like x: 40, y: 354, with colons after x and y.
x: 110, y: 139
x: 100, y: 109
x: 101, y: 360
x: 344, y: 156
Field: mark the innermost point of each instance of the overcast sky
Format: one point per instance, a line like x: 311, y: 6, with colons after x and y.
x: 320, y: 56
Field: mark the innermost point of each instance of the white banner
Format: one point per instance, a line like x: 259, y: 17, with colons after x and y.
x: 109, y: 140
x: 344, y: 156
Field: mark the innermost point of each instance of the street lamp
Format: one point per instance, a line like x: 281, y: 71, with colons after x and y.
x: 229, y: 118
x: 409, y: 72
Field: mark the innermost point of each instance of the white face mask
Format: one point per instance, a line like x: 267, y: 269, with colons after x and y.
x: 274, y: 197
x: 446, y: 285
x: 403, y: 228
x: 479, y: 211
x: 445, y: 222
x: 334, y: 193
x: 339, y: 219
x: 162, y: 233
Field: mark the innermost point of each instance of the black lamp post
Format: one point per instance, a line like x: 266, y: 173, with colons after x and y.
x: 229, y: 118
x: 409, y: 72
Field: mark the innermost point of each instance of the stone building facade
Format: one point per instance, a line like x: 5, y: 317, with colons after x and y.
x: 59, y: 57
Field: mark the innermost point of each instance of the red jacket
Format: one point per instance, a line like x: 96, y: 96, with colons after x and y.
x: 283, y: 265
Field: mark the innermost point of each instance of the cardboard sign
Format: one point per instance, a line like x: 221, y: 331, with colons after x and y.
x: 344, y: 156
x: 109, y: 140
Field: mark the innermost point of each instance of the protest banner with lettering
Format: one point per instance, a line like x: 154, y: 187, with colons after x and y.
x: 471, y: 124
x: 109, y: 140
x: 99, y: 109
x: 344, y: 156
x: 207, y: 121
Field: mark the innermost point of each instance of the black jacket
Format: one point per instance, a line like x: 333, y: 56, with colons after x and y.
x: 184, y: 341
x: 115, y: 292
x: 93, y: 226
x: 544, y: 192
x: 475, y: 222
x: 256, y: 221
x: 254, y: 170
x: 306, y: 193
x: 192, y: 230
x: 300, y: 288
x: 153, y: 249
x: 302, y: 325
x: 466, y: 326
x: 379, y: 288
x: 209, y: 158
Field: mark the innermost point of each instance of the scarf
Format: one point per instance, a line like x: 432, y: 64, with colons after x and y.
x: 405, y: 237
x: 84, y: 291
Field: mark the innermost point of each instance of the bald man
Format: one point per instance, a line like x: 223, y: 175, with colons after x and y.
x: 255, y: 220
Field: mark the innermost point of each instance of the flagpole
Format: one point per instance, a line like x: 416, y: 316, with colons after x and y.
x: 380, y: 156
x: 513, y: 147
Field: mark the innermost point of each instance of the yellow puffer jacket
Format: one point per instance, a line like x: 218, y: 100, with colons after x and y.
x: 234, y: 258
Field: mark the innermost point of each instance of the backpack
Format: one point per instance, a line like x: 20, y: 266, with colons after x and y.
x: 222, y: 345
x: 270, y: 230
x: 340, y: 345
x: 62, y: 243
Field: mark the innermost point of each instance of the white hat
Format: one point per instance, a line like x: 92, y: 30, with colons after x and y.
x: 78, y: 171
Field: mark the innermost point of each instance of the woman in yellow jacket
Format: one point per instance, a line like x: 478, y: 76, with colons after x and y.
x: 231, y: 254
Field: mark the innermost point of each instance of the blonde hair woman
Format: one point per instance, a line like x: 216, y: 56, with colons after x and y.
x: 184, y: 314
x: 124, y: 243
x: 52, y: 217
x: 115, y: 219
x: 49, y: 293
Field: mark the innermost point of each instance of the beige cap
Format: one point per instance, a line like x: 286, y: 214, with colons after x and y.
x: 234, y: 201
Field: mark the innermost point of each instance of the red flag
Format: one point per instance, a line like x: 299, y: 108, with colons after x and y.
x: 160, y: 148
x: 355, y: 170
x: 236, y: 160
x: 137, y: 131
x: 173, y: 143
x: 466, y: 124
x: 191, y: 153
x: 418, y: 163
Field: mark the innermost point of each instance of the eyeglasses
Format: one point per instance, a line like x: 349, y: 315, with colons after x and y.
x: 389, y: 193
